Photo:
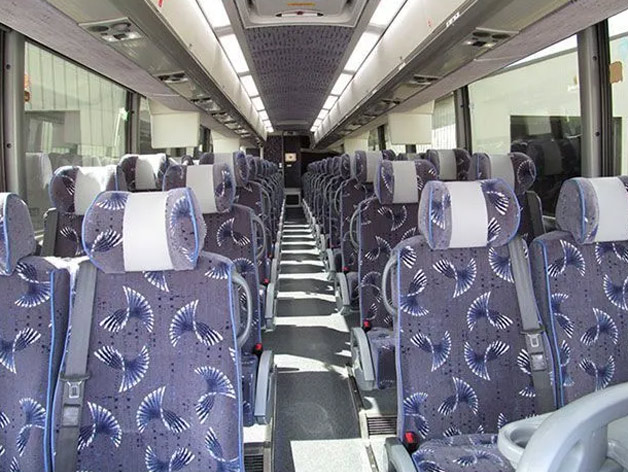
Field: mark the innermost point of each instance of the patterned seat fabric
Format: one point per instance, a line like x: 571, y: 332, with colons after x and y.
x: 332, y: 224
x: 249, y: 194
x: 144, y: 173
x: 462, y: 364
x: 32, y: 332
x: 230, y: 233
x: 163, y: 391
x: 383, y: 222
x: 187, y: 161
x: 72, y: 190
x: 451, y: 164
x: 579, y: 275
x: 519, y: 171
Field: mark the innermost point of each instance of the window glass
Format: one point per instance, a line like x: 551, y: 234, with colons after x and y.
x: 373, y: 140
x: 533, y: 106
x: 72, y: 117
x: 618, y: 32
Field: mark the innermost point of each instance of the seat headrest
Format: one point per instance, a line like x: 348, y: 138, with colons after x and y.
x: 144, y: 172
x: 187, y: 161
x: 139, y: 232
x: 345, y: 166
x: 468, y: 214
x: 516, y: 168
x: 402, y: 181
x: 17, y: 238
x: 336, y: 163
x: 365, y: 165
x: 594, y: 210
x: 213, y: 185
x: 73, y: 188
x: 451, y: 164
x: 237, y: 162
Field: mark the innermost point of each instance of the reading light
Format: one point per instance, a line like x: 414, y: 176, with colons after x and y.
x: 341, y: 83
x: 215, y: 12
x: 269, y: 129
x: 249, y: 85
x: 365, y: 45
x: 330, y: 102
x: 257, y: 103
x: 264, y: 115
x: 314, y: 128
x: 385, y: 12
x: 234, y: 52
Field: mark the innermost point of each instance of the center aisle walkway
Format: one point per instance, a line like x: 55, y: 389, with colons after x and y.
x: 317, y: 427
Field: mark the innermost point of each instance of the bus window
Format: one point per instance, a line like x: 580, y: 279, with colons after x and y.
x: 618, y: 32
x: 72, y: 117
x: 533, y: 106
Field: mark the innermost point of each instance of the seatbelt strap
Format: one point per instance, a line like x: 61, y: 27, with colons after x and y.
x: 533, y: 330
x: 51, y: 224
x: 536, y: 215
x: 75, y: 374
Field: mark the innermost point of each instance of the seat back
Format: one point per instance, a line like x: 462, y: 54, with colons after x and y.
x: 451, y: 164
x: 230, y: 228
x: 32, y: 333
x: 144, y: 173
x: 384, y: 221
x: 580, y: 274
x: 72, y: 190
x: 163, y: 390
x: 462, y: 363
x: 519, y: 171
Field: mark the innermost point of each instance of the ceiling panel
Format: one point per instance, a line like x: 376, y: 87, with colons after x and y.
x: 294, y: 67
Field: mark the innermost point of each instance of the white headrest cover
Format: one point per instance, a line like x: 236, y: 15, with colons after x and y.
x: 447, y: 163
x: 405, y: 188
x: 469, y: 216
x: 501, y: 167
x: 225, y: 158
x: 612, y: 209
x: 372, y: 159
x: 145, y: 234
x: 146, y: 169
x: 89, y: 182
x: 201, y: 180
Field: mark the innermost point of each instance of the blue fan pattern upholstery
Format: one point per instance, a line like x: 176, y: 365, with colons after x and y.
x: 462, y: 163
x: 162, y: 354
x: 230, y: 233
x: 32, y: 332
x: 580, y: 279
x: 68, y: 241
x: 382, y: 224
x: 523, y: 174
x: 463, y: 371
x: 129, y: 163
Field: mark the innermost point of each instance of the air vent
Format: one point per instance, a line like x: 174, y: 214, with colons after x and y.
x: 174, y: 78
x: 382, y: 425
x: 114, y: 31
x: 256, y: 13
x: 422, y: 80
x: 483, y: 38
x: 208, y: 105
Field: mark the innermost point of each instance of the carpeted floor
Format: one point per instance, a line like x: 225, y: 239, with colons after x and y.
x: 316, y: 425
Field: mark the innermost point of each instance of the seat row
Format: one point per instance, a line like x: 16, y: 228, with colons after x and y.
x: 508, y: 331
x: 375, y: 206
x: 130, y: 357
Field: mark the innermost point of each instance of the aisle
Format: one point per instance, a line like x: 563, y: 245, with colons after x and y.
x: 317, y: 428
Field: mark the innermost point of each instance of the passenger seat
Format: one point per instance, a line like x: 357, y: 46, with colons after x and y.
x: 383, y: 221
x: 151, y: 371
x: 32, y: 334
x: 464, y: 367
x: 451, y: 164
x: 72, y: 191
x: 144, y: 173
x: 580, y: 275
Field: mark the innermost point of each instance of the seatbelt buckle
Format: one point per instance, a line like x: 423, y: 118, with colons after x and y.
x: 74, y: 385
x: 536, y: 350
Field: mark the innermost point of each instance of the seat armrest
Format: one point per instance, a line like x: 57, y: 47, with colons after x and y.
x: 265, y: 388
x: 362, y: 360
x: 397, y: 456
x: 270, y: 308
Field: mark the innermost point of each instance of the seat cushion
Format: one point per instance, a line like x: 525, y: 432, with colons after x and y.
x: 467, y: 452
x: 382, y: 345
x: 249, y: 381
